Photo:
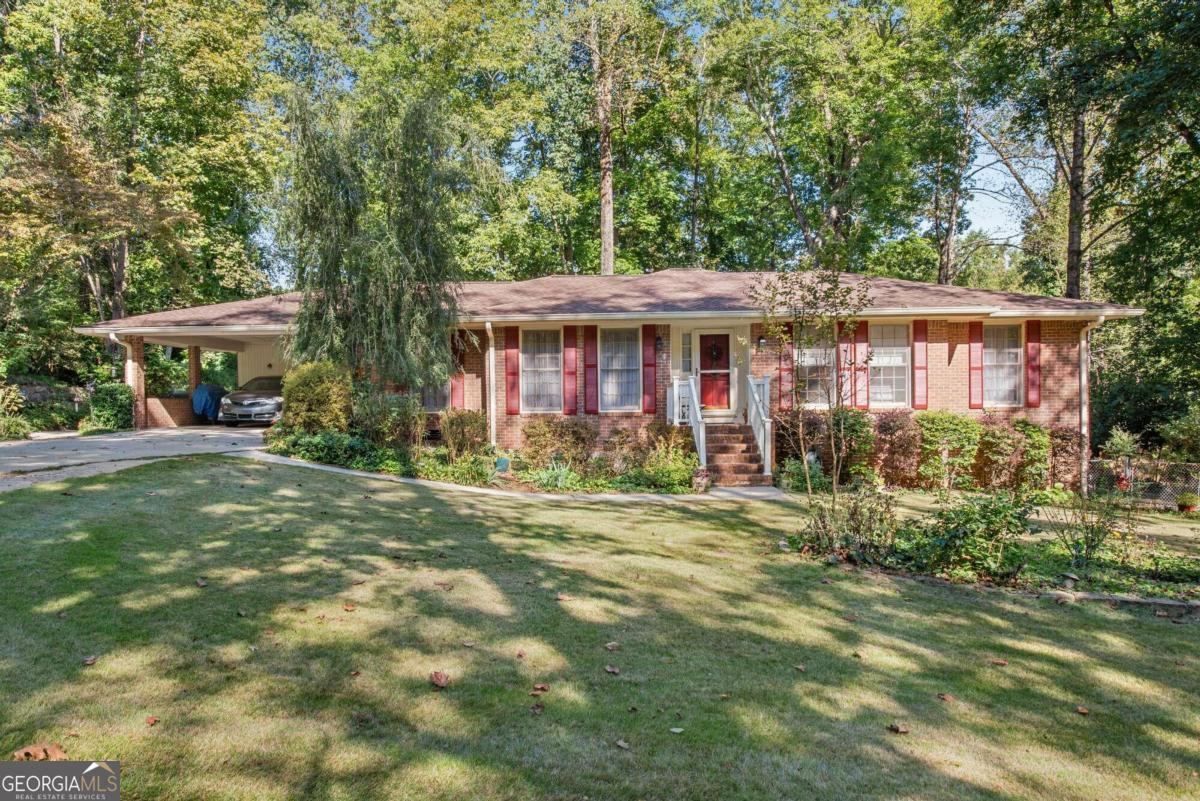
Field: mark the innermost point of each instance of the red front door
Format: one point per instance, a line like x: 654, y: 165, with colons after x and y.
x: 714, y: 371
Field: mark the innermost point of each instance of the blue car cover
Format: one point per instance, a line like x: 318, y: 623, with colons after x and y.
x: 206, y: 401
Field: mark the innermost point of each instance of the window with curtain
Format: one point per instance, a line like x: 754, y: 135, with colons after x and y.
x: 620, y: 369
x: 1002, y: 365
x: 435, y: 399
x: 815, y: 375
x: 541, y: 370
x: 890, y: 365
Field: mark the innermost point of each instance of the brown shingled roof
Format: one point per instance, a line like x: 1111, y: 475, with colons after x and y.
x: 668, y: 293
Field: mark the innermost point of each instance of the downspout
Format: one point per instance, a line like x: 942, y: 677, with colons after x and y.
x: 1085, y: 416
x: 491, y: 377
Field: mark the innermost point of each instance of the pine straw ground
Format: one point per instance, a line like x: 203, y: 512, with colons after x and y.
x: 301, y: 669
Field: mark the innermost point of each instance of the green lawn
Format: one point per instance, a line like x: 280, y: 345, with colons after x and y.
x: 301, y: 669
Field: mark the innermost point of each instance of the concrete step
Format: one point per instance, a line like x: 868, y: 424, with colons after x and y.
x: 741, y: 480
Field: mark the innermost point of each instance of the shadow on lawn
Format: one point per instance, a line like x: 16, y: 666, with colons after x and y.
x: 287, y: 548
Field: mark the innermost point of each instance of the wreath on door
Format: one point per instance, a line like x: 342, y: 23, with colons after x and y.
x: 714, y: 352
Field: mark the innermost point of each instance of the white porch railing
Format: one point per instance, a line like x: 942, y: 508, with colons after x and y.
x: 683, y: 403
x: 758, y: 416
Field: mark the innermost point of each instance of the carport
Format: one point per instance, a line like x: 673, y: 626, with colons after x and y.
x: 253, y: 329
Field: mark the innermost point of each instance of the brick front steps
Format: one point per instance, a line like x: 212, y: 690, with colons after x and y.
x: 733, y: 457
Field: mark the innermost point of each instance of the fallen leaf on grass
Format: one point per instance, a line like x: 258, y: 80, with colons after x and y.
x: 850, y: 618
x: 562, y: 596
x: 520, y: 654
x: 349, y: 607
x: 439, y: 679
x: 151, y: 720
x: 201, y: 583
x: 359, y: 581
x: 947, y: 697
x: 1083, y: 710
x: 676, y: 730
x: 90, y: 660
x: 613, y: 669
x: 624, y: 746
x: 356, y: 673
x: 800, y: 668
x: 538, y: 708
x: 40, y: 752
x: 1000, y: 662
x: 538, y: 689
x: 468, y: 643
x: 898, y: 728
x: 445, y: 585
x: 612, y: 646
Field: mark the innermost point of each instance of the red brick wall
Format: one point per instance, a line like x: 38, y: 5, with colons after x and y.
x: 948, y: 361
x: 170, y: 413
x: 508, y: 427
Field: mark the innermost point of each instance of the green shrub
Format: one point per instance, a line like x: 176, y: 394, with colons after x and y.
x: 465, y: 432
x: 557, y: 477
x: 53, y: 416
x: 474, y: 471
x: 1033, y: 467
x: 948, y: 445
x: 396, y: 421
x: 340, y: 449
x: 790, y: 476
x: 111, y: 408
x: 1182, y: 436
x: 1085, y: 526
x: 317, y: 396
x: 998, y: 455
x: 974, y: 538
x: 862, y: 525
x: 664, y: 469
x: 854, y: 438
x: 11, y: 399
x: 570, y: 441
x: 1120, y: 444
x: 897, y: 447
x: 12, y: 427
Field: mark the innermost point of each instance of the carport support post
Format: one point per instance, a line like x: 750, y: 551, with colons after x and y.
x: 135, y: 377
x: 193, y: 368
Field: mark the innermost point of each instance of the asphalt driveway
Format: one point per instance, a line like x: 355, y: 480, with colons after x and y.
x: 47, y: 452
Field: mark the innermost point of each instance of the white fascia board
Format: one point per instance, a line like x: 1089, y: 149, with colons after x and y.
x: 193, y: 330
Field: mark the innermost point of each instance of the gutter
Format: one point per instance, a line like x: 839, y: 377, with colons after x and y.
x: 1085, y: 405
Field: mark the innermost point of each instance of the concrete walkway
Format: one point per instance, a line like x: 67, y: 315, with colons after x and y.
x: 715, y: 494
x: 51, y: 457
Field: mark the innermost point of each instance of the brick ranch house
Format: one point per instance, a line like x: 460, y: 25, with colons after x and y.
x: 687, y: 346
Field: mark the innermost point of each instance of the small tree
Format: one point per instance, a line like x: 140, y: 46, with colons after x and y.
x: 811, y: 309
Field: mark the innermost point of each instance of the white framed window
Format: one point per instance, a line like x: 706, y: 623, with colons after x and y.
x: 890, y: 366
x: 685, y: 353
x: 1002, y: 365
x: 816, y: 368
x: 541, y: 370
x: 435, y: 399
x: 620, y: 369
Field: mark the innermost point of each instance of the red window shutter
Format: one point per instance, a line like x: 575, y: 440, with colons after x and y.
x: 512, y: 369
x: 1033, y: 363
x: 591, y: 378
x: 975, y: 365
x: 570, y: 345
x: 862, y: 376
x: 920, y: 357
x: 787, y: 368
x: 845, y: 365
x: 649, y: 367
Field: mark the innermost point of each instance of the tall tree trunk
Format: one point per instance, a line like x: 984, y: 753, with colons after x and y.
x: 946, y: 253
x: 602, y: 72
x: 1077, y: 207
x: 118, y: 261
